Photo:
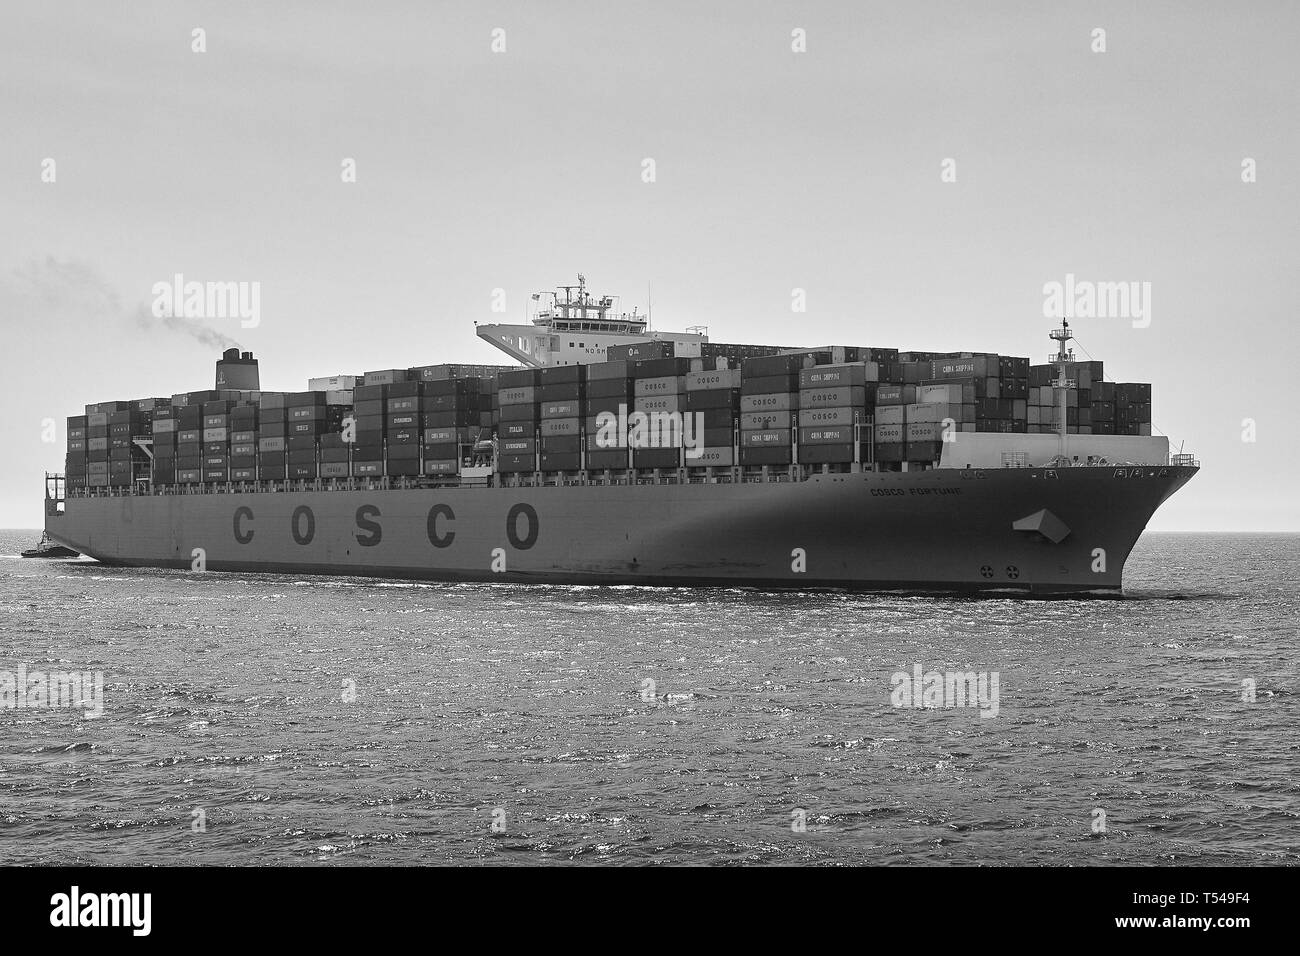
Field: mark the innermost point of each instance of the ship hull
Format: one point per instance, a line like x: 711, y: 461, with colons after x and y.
x: 946, y: 530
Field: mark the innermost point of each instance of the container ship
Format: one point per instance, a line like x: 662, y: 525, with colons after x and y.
x: 610, y: 454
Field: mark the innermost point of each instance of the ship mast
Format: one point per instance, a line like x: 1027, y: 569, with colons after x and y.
x: 1063, y: 356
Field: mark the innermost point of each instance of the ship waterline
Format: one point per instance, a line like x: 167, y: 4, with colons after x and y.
x: 1032, y: 530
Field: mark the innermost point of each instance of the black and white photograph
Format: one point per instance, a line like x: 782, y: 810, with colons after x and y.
x: 592, y: 436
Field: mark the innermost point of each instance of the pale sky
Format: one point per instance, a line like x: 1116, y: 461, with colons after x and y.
x: 775, y: 170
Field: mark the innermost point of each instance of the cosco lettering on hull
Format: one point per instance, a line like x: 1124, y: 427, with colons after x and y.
x: 521, y: 526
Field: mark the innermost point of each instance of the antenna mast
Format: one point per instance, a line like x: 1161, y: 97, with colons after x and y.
x: 1064, y: 355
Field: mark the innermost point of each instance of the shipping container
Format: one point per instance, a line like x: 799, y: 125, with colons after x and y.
x: 832, y: 416
x: 517, y: 378
x: 640, y: 351
x: 333, y: 382
x: 838, y: 434
x: 614, y: 458
x: 839, y: 376
x: 779, y: 365
x: 559, y: 426
x: 717, y: 379
x: 602, y: 371
x: 569, y: 409
x: 561, y: 392
x: 924, y: 451
x: 711, y: 457
x: 930, y: 412
x: 926, y: 431
x: 771, y: 401
x: 754, y: 439
x: 766, y: 455
x: 770, y: 384
x: 827, y: 453
x: 517, y: 446
x: 659, y: 368
x: 713, y: 418
x: 609, y: 388
x: 434, y: 436
x: 516, y: 463
x: 668, y: 385
x: 891, y: 434
x: 656, y: 458
x: 717, y: 437
x: 841, y: 397
x: 895, y: 395
x: 386, y: 376
x: 402, y: 467
x: 766, y: 421
x: 561, y: 444
x: 983, y: 366
x: 713, y: 398
x: 662, y: 403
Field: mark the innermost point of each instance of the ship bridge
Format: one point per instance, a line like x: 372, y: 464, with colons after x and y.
x: 573, y: 327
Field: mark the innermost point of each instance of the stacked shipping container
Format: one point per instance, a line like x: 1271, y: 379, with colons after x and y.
x: 769, y: 400
x: 778, y: 409
x: 833, y: 401
x: 518, y: 417
x: 560, y: 392
x: 713, y: 402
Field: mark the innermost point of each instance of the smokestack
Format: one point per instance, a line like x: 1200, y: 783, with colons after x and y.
x: 238, y: 371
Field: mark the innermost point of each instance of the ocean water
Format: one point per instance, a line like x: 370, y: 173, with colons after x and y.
x: 278, y: 719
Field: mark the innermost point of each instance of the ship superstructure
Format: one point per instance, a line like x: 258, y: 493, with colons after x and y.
x: 571, y: 326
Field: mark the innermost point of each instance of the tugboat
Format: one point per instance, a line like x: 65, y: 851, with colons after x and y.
x: 50, y: 549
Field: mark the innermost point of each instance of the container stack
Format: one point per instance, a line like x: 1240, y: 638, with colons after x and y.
x: 304, y: 418
x: 404, y: 424
x: 518, y: 416
x: 658, y: 393
x: 165, y: 426
x: 189, y: 439
x: 833, y: 401
x: 97, y: 442
x: 1133, y: 408
x: 450, y: 419
x: 1093, y: 406
x: 769, y: 399
x: 243, y: 441
x: 76, y: 462
x: 890, y: 422
x: 272, y: 437
x: 609, y: 391
x: 713, y: 402
x: 125, y: 461
x: 369, y: 426
x: 216, y: 440
x: 560, y: 392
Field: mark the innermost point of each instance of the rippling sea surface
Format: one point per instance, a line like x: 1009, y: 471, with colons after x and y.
x: 475, y: 704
